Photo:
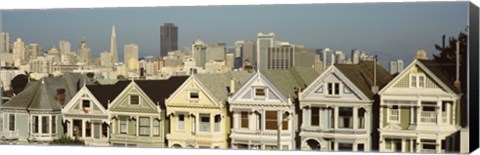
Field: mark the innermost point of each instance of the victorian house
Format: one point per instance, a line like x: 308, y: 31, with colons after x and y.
x: 137, y: 115
x: 86, y: 115
x: 420, y: 110
x: 265, y: 109
x: 338, y: 107
x: 198, y: 110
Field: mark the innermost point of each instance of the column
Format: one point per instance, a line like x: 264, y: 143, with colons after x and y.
x: 304, y: 115
x: 438, y: 112
x: 70, y: 128
x: 235, y: 120
x: 136, y: 126
x: 438, y: 142
x: 83, y: 128
x: 403, y: 145
x: 454, y: 112
x: 50, y: 125
x: 355, y: 117
x: 417, y: 147
x: 354, y: 147
x: 212, y: 123
x: 151, y: 126
x: 335, y: 118
x: 449, y: 112
x: 419, y: 110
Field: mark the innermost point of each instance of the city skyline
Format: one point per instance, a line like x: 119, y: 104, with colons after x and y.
x: 402, y: 26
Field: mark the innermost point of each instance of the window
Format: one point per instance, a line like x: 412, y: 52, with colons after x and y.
x: 77, y: 128
x: 315, y: 120
x: 259, y: 92
x: 413, y: 82
x: 271, y: 120
x: 217, y: 123
x: 35, y: 124
x: 123, y: 125
x: 345, y: 119
x: 429, y: 106
x: 421, y: 81
x: 244, y: 122
x: 205, y: 122
x: 417, y: 81
x: 193, y: 95
x: 45, y: 126
x: 54, y: 124
x: 104, y: 130
x: 11, y: 122
x: 345, y: 147
x: 85, y: 104
x: 285, y: 121
x: 144, y: 126
x: 181, y: 122
x: 333, y: 88
x: 394, y: 114
x: 134, y: 99
x: 271, y: 147
x: 88, y: 129
x: 360, y: 147
x: 361, y: 118
x: 156, y: 127
x: 428, y: 145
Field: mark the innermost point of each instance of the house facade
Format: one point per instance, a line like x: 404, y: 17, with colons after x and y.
x: 419, y: 110
x: 264, y: 112
x: 137, y: 114
x: 198, y: 112
x: 337, y: 108
x: 86, y: 115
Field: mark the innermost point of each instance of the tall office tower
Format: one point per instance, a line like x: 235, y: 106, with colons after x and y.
x: 84, y: 52
x: 304, y: 57
x: 216, y: 52
x: 318, y: 65
x: 34, y: 50
x: 355, y: 56
x: 264, y: 41
x: 106, y: 59
x: 168, y: 38
x: 113, y: 46
x: 19, y: 51
x: 340, y: 57
x: 4, y: 42
x: 230, y: 60
x: 64, y: 46
x: 199, y: 51
x: 280, y: 57
x: 328, y: 58
x: 238, y: 53
x: 131, y: 56
x: 396, y: 66
x: 249, y: 54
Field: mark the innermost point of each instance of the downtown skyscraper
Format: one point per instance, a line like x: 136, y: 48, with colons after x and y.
x: 113, y: 46
x: 168, y: 38
x: 4, y: 42
x: 264, y: 41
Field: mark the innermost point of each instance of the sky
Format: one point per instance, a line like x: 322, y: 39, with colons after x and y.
x: 390, y: 30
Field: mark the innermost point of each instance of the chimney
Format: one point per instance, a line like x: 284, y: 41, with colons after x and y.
x: 375, y: 87
x: 232, y: 85
x: 457, y: 83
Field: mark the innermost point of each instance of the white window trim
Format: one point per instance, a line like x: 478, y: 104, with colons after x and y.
x: 333, y: 88
x: 90, y: 102
x: 209, y: 123
x: 120, y: 127
x: 130, y: 99
x: 178, y: 122
x: 140, y: 126
x: 14, y: 122
x: 193, y: 91
x: 389, y: 110
x: 417, y: 82
x: 265, y: 91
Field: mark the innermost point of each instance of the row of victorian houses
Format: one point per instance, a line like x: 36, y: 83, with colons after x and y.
x: 348, y: 107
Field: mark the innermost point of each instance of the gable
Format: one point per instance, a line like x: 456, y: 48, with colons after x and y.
x: 127, y: 101
x: 84, y: 98
x: 192, y: 93
x: 341, y: 88
x: 258, y: 89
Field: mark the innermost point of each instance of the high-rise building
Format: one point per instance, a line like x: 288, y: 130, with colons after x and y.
x: 113, y: 46
x: 4, y: 42
x: 106, y: 59
x: 34, y: 50
x: 131, y: 56
x: 19, y: 51
x: 216, y: 52
x: 64, y: 46
x: 199, y: 53
x: 84, y: 52
x: 396, y: 66
x: 340, y: 57
x: 304, y: 57
x: 281, y: 57
x: 318, y: 65
x: 249, y: 54
x: 230, y: 60
x: 264, y: 41
x: 168, y: 38
x: 328, y: 58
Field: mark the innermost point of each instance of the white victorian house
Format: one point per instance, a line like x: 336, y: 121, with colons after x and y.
x: 264, y: 112
x: 420, y: 110
x: 337, y: 107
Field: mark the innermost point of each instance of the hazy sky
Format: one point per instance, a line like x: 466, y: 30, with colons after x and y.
x: 391, y: 30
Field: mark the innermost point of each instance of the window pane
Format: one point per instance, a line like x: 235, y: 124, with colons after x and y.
x: 88, y: 129
x: 77, y: 128
x: 144, y: 126
x: 360, y: 147
x: 123, y: 125
x: 271, y: 120
x: 315, y: 120
x: 54, y: 124
x: 330, y: 88
x: 11, y: 122
x: 205, y: 122
x: 345, y: 119
x: 181, y: 122
x: 217, y: 123
x: 345, y: 147
x: 156, y: 127
x: 35, y: 124
x: 337, y: 88
x: 194, y: 95
x: 85, y: 104
x: 104, y: 130
x: 134, y: 99
x: 414, y: 81
x: 259, y: 92
x: 284, y: 122
x: 244, y: 119
x: 45, y: 126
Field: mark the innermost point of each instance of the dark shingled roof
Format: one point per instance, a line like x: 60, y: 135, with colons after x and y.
x: 285, y: 80
x: 361, y: 75
x: 440, y: 70
x: 35, y: 97
x: 105, y: 93
x: 158, y: 90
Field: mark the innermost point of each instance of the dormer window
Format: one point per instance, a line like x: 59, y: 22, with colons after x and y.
x: 259, y: 92
x: 85, y: 104
x: 333, y: 88
x: 194, y: 95
x: 417, y: 81
x: 134, y: 99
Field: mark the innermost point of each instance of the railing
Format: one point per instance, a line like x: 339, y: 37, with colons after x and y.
x: 393, y: 115
x: 120, y: 137
x: 333, y: 131
x: 263, y: 133
x: 428, y: 117
x: 444, y: 117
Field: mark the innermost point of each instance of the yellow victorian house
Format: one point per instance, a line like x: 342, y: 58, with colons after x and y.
x: 198, y: 111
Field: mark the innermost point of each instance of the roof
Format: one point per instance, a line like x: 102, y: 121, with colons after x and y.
x: 362, y: 76
x: 106, y: 93
x: 158, y: 90
x: 286, y: 80
x: 442, y: 72
x: 218, y: 84
x: 35, y: 97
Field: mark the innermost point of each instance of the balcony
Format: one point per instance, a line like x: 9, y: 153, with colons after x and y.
x: 428, y: 117
x: 334, y: 131
x: 284, y: 133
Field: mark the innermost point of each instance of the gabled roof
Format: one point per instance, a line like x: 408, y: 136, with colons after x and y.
x: 362, y: 76
x: 106, y: 93
x: 441, y: 72
x: 35, y: 97
x: 286, y: 80
x: 158, y: 90
x: 218, y: 84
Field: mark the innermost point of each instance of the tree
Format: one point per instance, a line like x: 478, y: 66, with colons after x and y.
x: 19, y: 83
x: 64, y: 140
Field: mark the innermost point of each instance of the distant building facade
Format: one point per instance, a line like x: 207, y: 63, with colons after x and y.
x: 168, y: 38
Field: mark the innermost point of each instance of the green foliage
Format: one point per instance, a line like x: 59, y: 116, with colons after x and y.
x: 67, y: 141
